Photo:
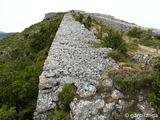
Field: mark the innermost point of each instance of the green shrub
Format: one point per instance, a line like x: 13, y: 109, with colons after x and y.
x: 79, y: 17
x: 66, y: 96
x: 114, y: 40
x: 58, y: 115
x: 154, y: 99
x: 129, y: 86
x: 103, y: 27
x: 88, y: 22
x: 116, y: 55
x: 7, y: 114
x: 154, y: 96
x: 156, y: 66
x: 135, y: 32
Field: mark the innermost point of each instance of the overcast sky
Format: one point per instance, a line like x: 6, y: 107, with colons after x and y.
x: 16, y: 15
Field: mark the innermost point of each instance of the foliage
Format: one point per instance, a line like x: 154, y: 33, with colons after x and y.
x: 20, y: 69
x: 132, y: 45
x: 88, y: 22
x: 79, y: 18
x: 66, y: 96
x: 114, y: 40
x: 103, y: 27
x: 7, y: 114
x: 116, y: 55
x: 129, y: 86
x: 135, y: 32
x: 147, y: 38
x: 154, y: 96
x: 58, y: 115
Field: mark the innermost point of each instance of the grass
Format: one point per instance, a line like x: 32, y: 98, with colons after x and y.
x: 150, y: 43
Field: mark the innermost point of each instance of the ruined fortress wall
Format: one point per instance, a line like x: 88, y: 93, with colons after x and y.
x: 120, y: 25
x: 116, y: 24
x: 72, y: 59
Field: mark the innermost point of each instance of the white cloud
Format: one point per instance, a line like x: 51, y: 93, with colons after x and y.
x: 16, y: 15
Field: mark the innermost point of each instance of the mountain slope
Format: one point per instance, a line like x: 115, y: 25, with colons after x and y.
x: 21, y: 61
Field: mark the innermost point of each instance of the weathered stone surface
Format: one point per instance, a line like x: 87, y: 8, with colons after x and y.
x: 49, y: 15
x: 108, y: 109
x: 140, y: 57
x: 101, y: 117
x: 123, y: 104
x: 148, y: 62
x: 107, y: 83
x: 146, y: 108
x: 117, y: 94
x: 72, y: 59
x: 81, y: 110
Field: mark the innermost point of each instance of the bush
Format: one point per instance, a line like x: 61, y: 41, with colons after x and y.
x: 114, y: 40
x: 154, y: 96
x: 116, y: 55
x: 79, y: 17
x: 129, y: 86
x: 7, y: 114
x: 135, y: 32
x: 88, y: 22
x: 58, y: 115
x: 66, y: 96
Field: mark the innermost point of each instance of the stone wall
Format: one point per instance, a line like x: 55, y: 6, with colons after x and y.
x: 116, y: 24
x: 71, y: 59
x: 49, y: 15
x: 120, y: 24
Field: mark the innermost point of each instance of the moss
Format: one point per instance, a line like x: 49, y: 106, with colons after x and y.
x: 100, y: 110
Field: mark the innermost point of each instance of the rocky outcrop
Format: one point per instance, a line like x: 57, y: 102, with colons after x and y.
x: 49, y: 15
x: 71, y: 59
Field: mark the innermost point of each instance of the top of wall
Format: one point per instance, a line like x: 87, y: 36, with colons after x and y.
x: 109, y: 20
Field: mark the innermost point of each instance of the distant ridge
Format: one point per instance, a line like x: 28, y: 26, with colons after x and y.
x: 4, y: 34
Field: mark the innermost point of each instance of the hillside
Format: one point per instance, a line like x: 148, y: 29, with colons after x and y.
x: 21, y: 61
x: 78, y: 66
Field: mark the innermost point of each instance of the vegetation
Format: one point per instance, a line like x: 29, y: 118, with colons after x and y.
x: 66, y: 96
x: 108, y: 36
x: 147, y: 38
x: 21, y: 67
x: 135, y: 32
x: 115, y: 41
x: 58, y: 115
x: 116, y: 55
x: 154, y: 96
x: 88, y: 22
x: 100, y: 110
